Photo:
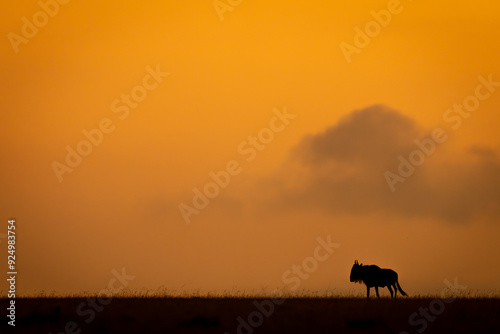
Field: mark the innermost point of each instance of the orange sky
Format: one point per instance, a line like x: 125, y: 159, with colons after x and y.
x: 321, y: 174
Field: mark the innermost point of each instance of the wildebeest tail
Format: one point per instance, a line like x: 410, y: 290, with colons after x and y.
x: 401, y: 290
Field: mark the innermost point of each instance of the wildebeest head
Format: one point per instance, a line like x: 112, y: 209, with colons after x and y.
x: 355, y: 272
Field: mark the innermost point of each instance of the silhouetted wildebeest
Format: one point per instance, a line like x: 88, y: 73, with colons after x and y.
x: 374, y: 276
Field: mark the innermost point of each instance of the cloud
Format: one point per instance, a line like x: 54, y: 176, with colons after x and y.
x: 362, y: 136
x: 341, y: 171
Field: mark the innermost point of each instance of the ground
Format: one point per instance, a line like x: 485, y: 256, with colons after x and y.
x: 255, y: 315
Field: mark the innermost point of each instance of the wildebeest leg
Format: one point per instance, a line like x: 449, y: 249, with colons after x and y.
x: 376, y: 290
x: 395, y: 290
x: 367, y: 292
x: 390, y: 289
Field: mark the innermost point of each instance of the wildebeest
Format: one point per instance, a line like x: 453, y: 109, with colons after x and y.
x: 374, y: 276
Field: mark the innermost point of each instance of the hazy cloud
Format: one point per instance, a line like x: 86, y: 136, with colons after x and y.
x: 341, y: 171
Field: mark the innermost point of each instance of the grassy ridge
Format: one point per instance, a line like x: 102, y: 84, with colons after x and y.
x: 242, y: 315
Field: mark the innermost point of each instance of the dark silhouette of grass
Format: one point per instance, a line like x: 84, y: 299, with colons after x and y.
x: 220, y: 315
